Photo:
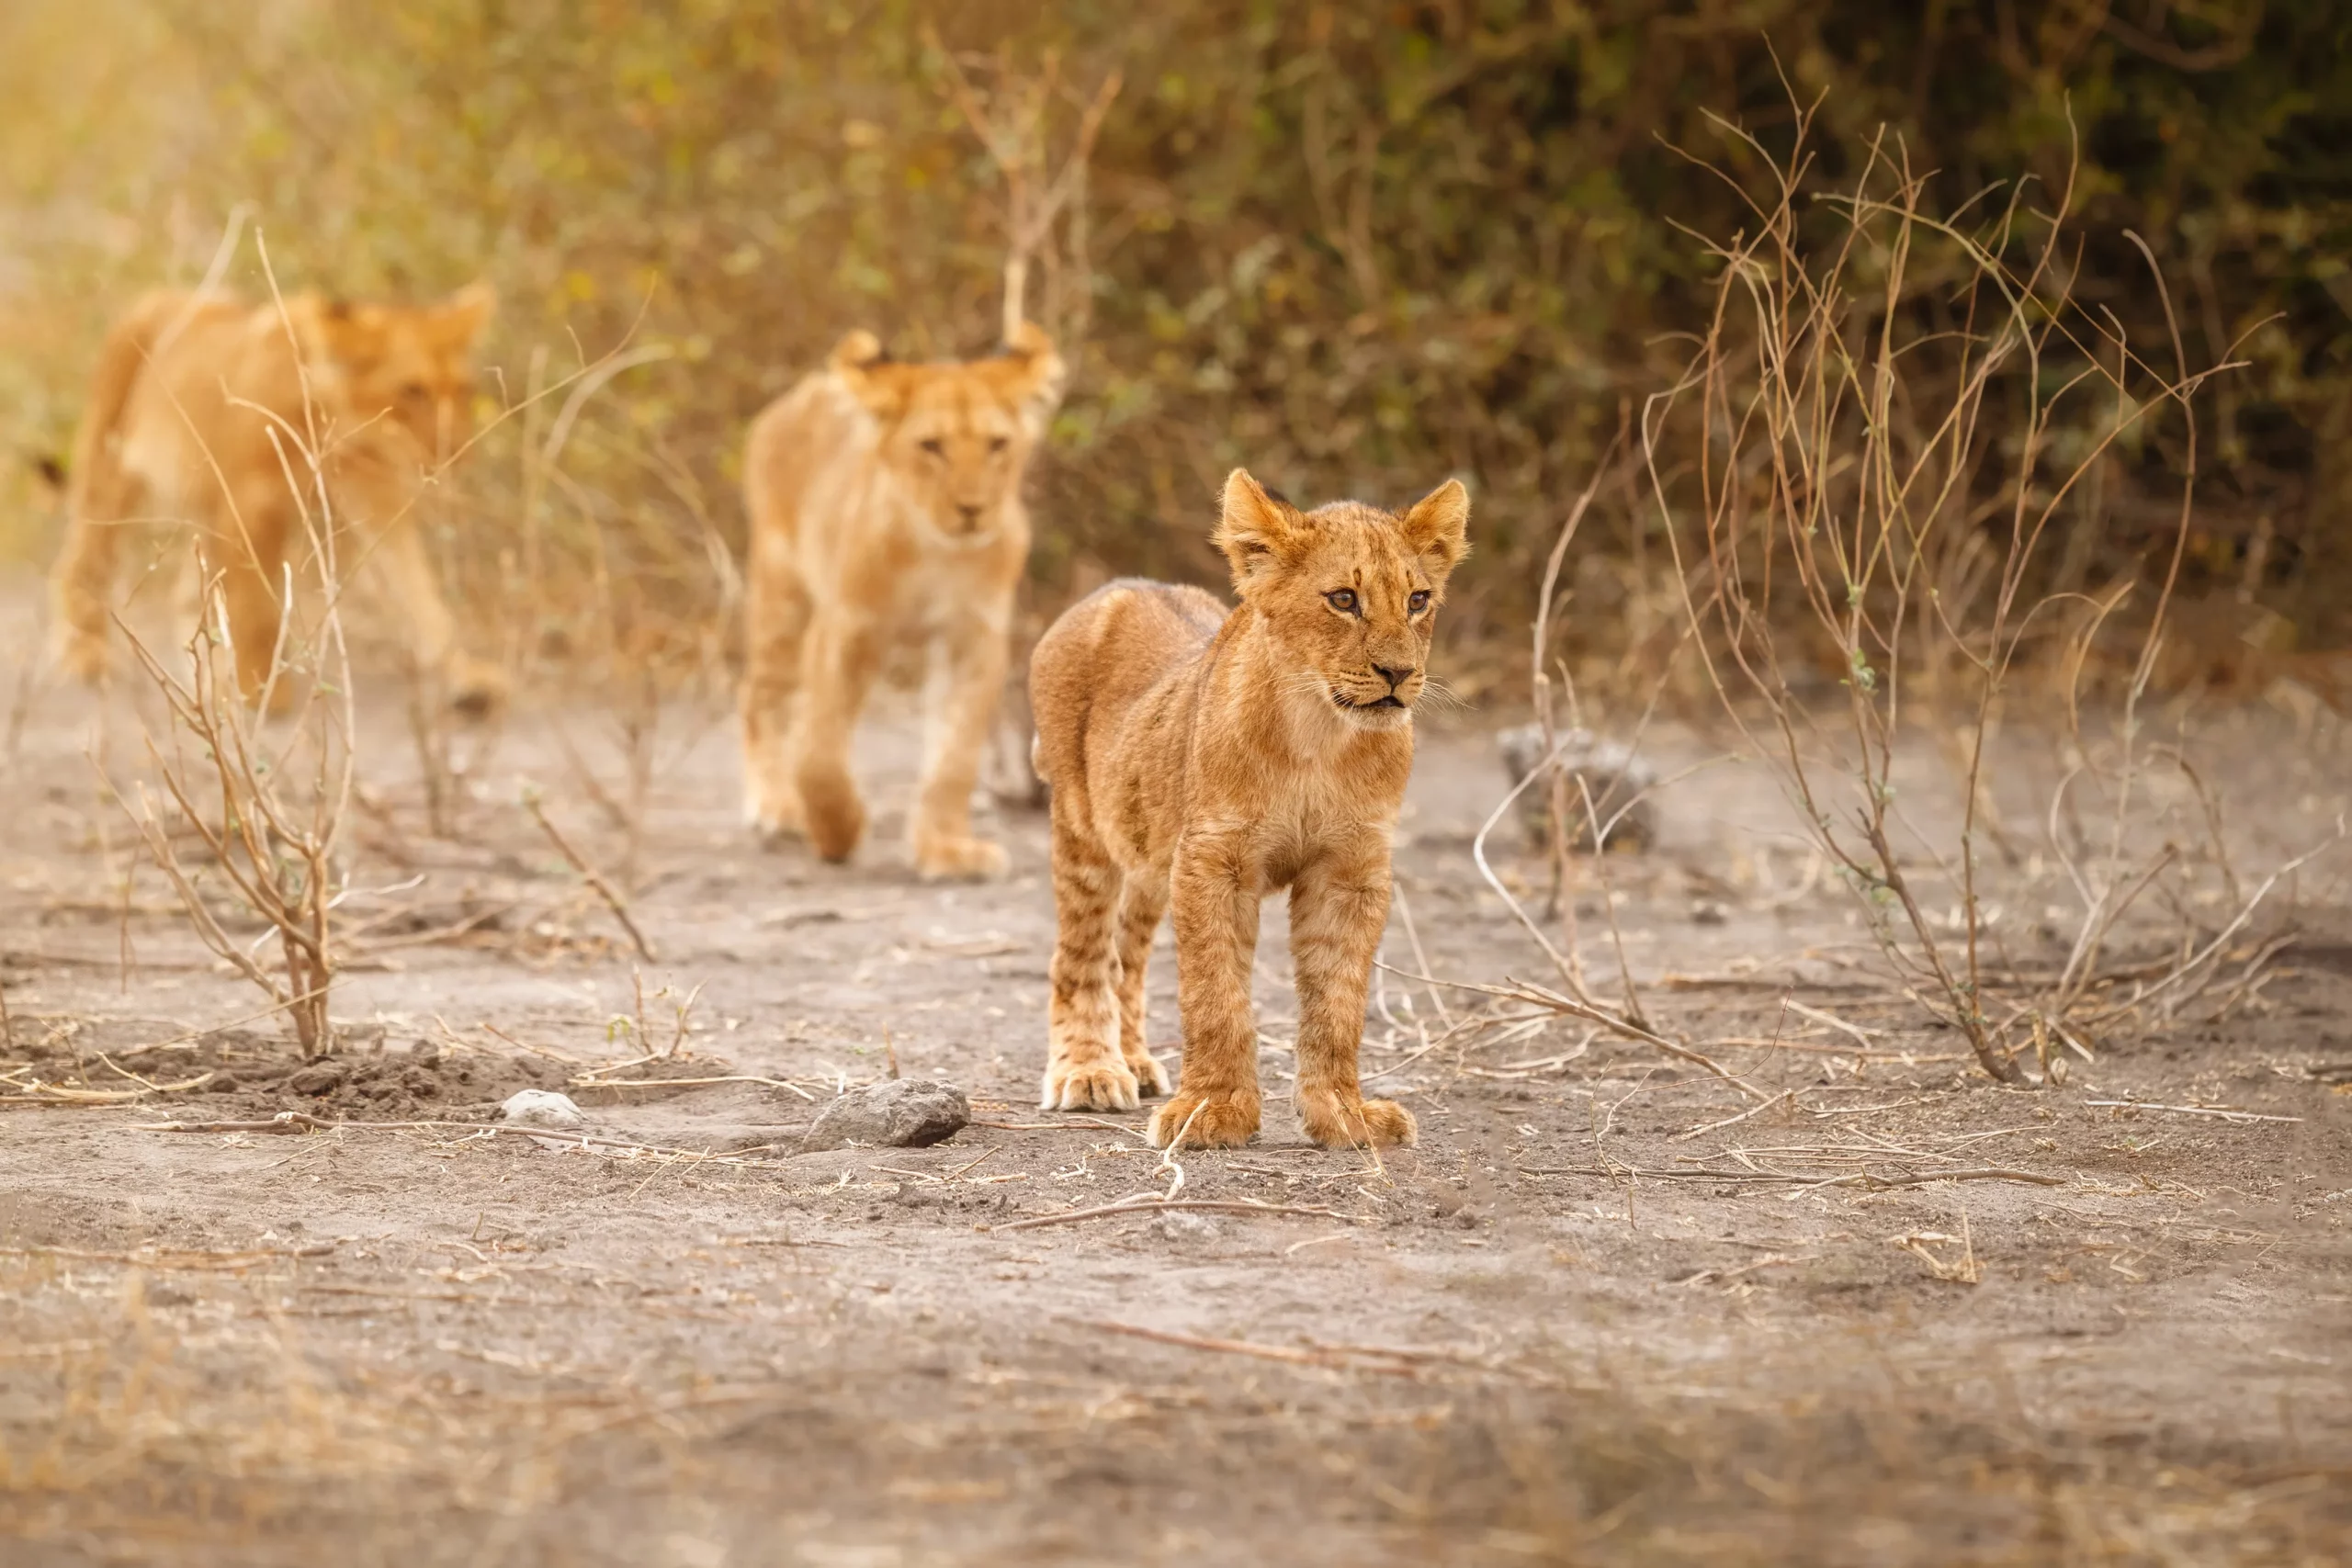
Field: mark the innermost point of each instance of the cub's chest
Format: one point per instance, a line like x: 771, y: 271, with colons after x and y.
x: 1344, y: 806
x: 936, y: 592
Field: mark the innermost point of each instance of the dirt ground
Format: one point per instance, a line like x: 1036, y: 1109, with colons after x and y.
x: 1596, y: 1316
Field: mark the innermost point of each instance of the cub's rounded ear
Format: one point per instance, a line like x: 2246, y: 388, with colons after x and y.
x: 1029, y: 341
x: 1438, y: 526
x: 1258, y: 530
x: 457, y: 322
x: 1042, y: 374
x: 857, y: 361
x: 856, y: 351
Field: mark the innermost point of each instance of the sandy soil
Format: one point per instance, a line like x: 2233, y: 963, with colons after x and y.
x: 1578, y: 1324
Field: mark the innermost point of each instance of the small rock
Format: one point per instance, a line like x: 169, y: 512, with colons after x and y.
x: 319, y: 1077
x: 1178, y: 1225
x: 1710, y: 912
x: 542, y: 1108
x: 900, y: 1113
x: 1618, y: 780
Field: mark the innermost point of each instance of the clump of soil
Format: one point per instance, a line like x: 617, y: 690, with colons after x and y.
x: 243, y: 1073
x: 392, y: 1082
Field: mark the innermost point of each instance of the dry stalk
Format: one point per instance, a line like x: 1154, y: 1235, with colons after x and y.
x: 268, y: 817
x: 1011, y: 124
x: 267, y: 800
x: 596, y: 881
x: 1843, y: 458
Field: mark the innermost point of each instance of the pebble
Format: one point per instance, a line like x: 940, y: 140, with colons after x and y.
x: 543, y: 1108
x: 897, y: 1114
x: 1178, y: 1225
x: 319, y: 1077
x: 1618, y: 779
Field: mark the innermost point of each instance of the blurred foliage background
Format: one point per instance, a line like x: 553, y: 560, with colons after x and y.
x: 1356, y: 246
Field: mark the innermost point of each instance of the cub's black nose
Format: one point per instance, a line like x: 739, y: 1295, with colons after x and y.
x: 1394, y: 678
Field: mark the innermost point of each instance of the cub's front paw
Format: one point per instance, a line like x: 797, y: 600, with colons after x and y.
x: 1151, y: 1076
x: 771, y: 824
x: 973, y: 858
x: 1092, y: 1085
x: 476, y: 691
x: 1205, y: 1121
x: 84, y: 658
x: 1344, y: 1122
x: 835, y: 817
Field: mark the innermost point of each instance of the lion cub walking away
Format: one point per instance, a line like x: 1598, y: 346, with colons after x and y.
x: 1208, y: 759
x: 198, y: 414
x: 886, y: 518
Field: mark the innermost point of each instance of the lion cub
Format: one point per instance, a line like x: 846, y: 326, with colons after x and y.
x: 195, y: 411
x: 886, y: 519
x: 1206, y: 759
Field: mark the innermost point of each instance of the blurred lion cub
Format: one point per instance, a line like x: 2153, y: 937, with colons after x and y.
x: 885, y: 514
x: 1209, y: 759
x: 196, y: 415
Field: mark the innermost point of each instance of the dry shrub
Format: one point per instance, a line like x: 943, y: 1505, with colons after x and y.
x: 264, y: 796
x: 1858, y: 472
x: 264, y: 801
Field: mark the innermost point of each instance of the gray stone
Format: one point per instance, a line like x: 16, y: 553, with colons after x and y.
x: 897, y: 1114
x: 1619, y: 782
x: 1178, y: 1225
x: 543, y: 1108
x: 319, y: 1077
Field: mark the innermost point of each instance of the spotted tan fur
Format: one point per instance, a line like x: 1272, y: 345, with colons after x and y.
x: 886, y: 513
x: 1202, y: 760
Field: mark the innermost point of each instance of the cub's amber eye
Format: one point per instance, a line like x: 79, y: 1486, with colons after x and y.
x: 1343, y: 600
x: 1419, y: 602
x: 933, y: 446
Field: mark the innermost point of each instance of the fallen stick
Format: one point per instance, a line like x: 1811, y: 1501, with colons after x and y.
x: 590, y: 1080
x: 1734, y: 1120
x: 1245, y: 1347
x: 2217, y: 1112
x: 590, y: 875
x: 1987, y: 1173
x: 1074, y: 1125
x: 1832, y: 1020
x: 175, y: 1257
x: 1155, y: 1205
x: 1552, y: 1001
x: 54, y: 1094
x: 1799, y: 1179
x: 302, y: 1121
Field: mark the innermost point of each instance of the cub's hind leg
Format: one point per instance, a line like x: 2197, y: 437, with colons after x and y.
x: 1084, y: 1069
x: 82, y: 583
x: 1141, y: 904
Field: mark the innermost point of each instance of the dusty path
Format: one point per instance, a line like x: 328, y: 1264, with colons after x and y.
x: 411, y: 1345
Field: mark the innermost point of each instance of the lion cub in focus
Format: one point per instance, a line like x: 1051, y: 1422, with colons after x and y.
x: 1206, y: 759
x: 886, y: 520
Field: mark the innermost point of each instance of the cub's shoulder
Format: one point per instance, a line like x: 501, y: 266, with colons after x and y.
x: 1196, y: 608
